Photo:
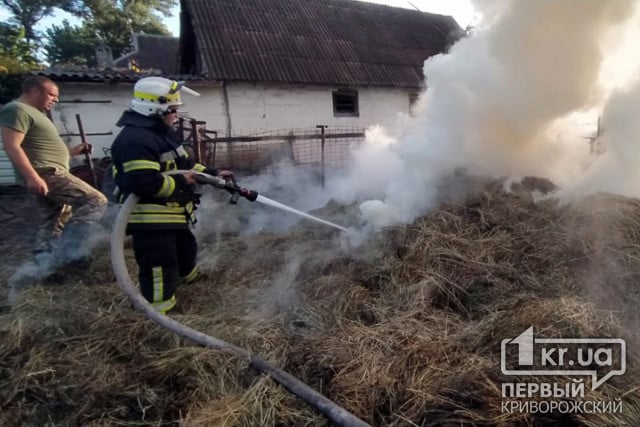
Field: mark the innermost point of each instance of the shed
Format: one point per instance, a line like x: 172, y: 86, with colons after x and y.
x: 8, y: 175
x: 297, y: 63
x: 271, y: 65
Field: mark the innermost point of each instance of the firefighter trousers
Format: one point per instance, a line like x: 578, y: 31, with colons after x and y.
x: 164, y: 258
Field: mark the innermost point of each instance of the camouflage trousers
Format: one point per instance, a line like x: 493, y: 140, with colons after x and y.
x: 69, y: 201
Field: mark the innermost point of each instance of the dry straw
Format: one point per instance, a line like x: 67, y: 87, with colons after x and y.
x: 404, y: 330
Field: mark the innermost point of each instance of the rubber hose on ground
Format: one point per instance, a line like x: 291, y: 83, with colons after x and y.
x: 331, y: 410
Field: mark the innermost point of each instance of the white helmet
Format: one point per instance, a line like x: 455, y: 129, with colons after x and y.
x: 153, y: 96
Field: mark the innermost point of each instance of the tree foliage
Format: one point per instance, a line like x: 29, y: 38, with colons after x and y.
x: 109, y: 22
x: 70, y: 45
x: 27, y: 13
x: 113, y: 22
x: 15, y: 45
x: 15, y: 60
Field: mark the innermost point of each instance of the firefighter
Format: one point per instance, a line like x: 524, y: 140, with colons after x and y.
x: 160, y: 225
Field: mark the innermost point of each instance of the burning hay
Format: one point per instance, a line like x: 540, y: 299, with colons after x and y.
x: 402, y: 330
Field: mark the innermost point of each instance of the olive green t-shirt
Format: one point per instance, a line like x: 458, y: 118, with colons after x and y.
x: 42, y: 143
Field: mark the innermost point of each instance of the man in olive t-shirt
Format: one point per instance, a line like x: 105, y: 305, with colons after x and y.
x: 41, y: 157
x: 41, y: 144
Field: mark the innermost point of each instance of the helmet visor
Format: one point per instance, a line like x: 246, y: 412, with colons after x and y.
x: 179, y: 86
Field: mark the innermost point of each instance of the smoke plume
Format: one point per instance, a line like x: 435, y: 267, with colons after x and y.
x: 501, y: 103
x: 520, y: 95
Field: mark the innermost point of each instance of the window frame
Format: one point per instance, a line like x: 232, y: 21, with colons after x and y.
x: 338, y: 98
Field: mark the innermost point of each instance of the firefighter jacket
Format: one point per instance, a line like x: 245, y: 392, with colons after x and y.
x: 144, y: 149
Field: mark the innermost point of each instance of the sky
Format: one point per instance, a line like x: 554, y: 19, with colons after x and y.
x: 461, y: 10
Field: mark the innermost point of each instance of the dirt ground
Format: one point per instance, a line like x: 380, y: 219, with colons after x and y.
x: 17, y: 227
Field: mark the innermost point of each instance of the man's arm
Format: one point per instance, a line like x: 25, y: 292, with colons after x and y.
x: 12, y: 144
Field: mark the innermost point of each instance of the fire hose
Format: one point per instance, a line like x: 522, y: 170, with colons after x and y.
x: 331, y: 410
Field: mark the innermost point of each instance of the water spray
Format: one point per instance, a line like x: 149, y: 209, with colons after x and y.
x: 236, y: 191
x: 338, y: 415
x: 269, y: 202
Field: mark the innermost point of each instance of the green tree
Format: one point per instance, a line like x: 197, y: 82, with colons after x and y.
x: 70, y: 45
x: 27, y: 13
x: 109, y: 21
x: 114, y: 21
x: 9, y: 85
x: 15, y: 45
x: 16, y: 58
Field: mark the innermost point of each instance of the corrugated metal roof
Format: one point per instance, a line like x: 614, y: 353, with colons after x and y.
x: 112, y: 75
x: 341, y: 42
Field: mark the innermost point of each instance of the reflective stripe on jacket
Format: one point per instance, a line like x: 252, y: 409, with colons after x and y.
x: 142, y: 151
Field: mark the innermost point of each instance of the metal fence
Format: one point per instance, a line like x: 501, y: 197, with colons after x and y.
x: 320, y: 146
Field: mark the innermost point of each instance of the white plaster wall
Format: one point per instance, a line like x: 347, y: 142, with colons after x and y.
x: 208, y: 107
x: 102, y: 117
x: 96, y: 117
x: 260, y: 107
x: 252, y: 108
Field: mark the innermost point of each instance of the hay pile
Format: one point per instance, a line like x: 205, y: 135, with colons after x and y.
x: 403, y: 330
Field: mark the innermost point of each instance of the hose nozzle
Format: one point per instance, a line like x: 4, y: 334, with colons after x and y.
x: 230, y: 185
x: 250, y: 195
x: 237, y: 191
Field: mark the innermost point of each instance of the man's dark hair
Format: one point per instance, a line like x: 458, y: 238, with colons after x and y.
x: 32, y: 82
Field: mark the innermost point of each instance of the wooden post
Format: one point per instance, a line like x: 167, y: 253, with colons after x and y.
x: 215, y: 145
x: 181, y: 128
x: 87, y: 152
x: 322, y: 142
x: 196, y: 141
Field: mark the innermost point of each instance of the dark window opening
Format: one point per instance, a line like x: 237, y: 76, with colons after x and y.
x: 345, y: 103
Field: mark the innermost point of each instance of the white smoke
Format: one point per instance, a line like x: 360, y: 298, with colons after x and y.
x: 617, y: 170
x: 497, y: 104
x: 512, y: 99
